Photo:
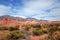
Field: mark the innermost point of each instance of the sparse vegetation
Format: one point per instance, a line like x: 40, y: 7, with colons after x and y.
x: 14, y: 33
x: 38, y: 32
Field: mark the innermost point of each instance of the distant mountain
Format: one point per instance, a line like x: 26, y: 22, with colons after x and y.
x: 24, y: 19
x: 11, y: 18
x: 17, y: 18
x: 32, y: 19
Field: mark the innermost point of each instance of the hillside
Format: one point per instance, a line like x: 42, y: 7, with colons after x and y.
x: 16, y: 18
x: 17, y: 28
x: 25, y: 19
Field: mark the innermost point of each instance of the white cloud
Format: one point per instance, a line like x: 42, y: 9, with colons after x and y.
x: 35, y: 9
x: 38, y: 4
x: 4, y: 9
x: 35, y: 6
x: 38, y: 7
x: 55, y: 11
x: 18, y: 16
x: 32, y: 7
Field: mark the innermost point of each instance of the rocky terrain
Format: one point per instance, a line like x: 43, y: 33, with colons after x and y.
x: 17, y: 28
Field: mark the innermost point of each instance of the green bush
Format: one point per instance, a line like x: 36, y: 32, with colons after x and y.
x: 36, y: 26
x: 38, y: 32
x: 12, y: 35
x: 16, y: 35
x: 11, y: 29
x: 14, y: 28
x: 53, y: 29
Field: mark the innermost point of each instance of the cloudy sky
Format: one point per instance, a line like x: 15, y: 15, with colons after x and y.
x: 39, y: 9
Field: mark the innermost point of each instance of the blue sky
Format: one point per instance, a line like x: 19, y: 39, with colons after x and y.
x: 39, y: 9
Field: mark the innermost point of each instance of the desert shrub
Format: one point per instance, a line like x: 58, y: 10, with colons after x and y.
x: 36, y: 26
x: 45, y: 25
x: 53, y: 28
x: 14, y: 28
x: 38, y: 32
x: 11, y: 29
x: 3, y: 28
x: 16, y: 35
x: 13, y: 35
x: 27, y: 28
